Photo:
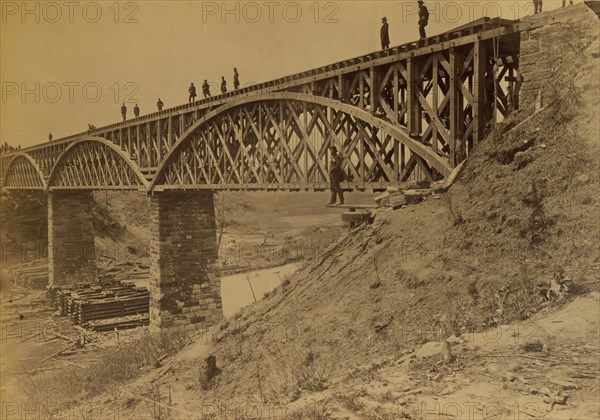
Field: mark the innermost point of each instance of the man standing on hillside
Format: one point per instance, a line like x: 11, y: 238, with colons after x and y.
x: 537, y: 6
x: 385, y: 36
x: 423, y: 19
x: 336, y: 175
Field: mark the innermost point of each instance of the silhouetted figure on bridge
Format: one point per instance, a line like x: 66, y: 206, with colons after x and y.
x: 384, y: 33
x: 423, y: 19
x: 136, y: 110
x: 537, y: 6
x: 124, y: 112
x: 192, y: 91
x: 223, y: 85
x: 336, y: 175
x: 160, y: 104
x: 49, y: 136
x: 236, y: 79
x: 206, y: 89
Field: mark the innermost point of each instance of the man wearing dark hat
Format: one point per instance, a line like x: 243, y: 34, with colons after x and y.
x: 385, y: 36
x: 336, y: 175
x: 423, y: 19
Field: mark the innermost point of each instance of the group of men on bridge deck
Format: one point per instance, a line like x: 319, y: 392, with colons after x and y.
x: 192, y: 90
x: 423, y: 22
x: 537, y: 5
x: 206, y: 87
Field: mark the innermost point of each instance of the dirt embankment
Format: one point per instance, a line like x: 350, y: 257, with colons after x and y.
x: 449, y: 305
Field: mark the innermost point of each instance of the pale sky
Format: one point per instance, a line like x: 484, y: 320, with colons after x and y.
x: 65, y: 64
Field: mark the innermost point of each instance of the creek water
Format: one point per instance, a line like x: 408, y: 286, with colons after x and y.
x: 236, y: 292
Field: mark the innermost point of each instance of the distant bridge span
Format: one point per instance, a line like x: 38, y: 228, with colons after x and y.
x: 410, y: 112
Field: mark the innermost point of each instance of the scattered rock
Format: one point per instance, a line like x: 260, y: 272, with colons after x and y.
x: 564, y: 384
x: 380, y: 199
x: 421, y: 184
x: 533, y: 391
x: 413, y: 197
x: 424, y: 191
x: 584, y: 179
x: 209, y: 371
x: 438, y: 187
x: 533, y: 347
x: 545, y: 391
x: 522, y: 159
x: 560, y: 399
x: 396, y: 201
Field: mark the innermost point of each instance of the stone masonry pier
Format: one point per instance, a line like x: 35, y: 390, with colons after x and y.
x: 184, y: 276
x: 71, y: 250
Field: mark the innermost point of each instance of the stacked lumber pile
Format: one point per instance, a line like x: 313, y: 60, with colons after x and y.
x: 115, y: 302
x: 33, y: 275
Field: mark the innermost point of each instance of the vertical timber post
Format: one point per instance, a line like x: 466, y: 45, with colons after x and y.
x: 412, y: 102
x: 184, y: 278
x: 456, y: 103
x: 71, y: 250
x: 479, y: 60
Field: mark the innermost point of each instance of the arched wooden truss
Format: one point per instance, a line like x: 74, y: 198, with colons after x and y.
x: 95, y: 163
x: 24, y: 173
x: 412, y: 111
x: 281, y: 141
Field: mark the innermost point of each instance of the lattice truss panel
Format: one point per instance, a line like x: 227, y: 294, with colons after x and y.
x: 284, y: 144
x: 149, y: 142
x: 94, y: 164
x: 24, y: 173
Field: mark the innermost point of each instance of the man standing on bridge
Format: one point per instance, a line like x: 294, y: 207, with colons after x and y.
x: 136, y: 110
x: 384, y: 33
x: 49, y: 136
x: 192, y: 91
x: 236, y: 79
x: 336, y: 175
x: 159, y: 104
x: 223, y: 85
x: 423, y: 19
x: 124, y: 112
x: 206, y: 89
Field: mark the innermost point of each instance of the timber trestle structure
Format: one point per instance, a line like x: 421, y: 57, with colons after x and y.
x: 410, y: 112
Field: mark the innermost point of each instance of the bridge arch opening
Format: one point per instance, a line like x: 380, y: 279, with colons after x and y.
x: 95, y: 163
x: 24, y: 173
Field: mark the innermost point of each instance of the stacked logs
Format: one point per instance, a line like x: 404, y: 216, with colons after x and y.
x: 115, y: 302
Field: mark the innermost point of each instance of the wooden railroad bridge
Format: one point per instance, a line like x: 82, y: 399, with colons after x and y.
x: 410, y: 112
x: 395, y: 115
